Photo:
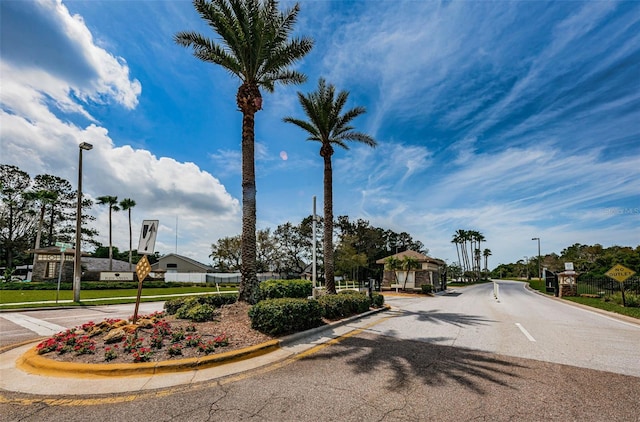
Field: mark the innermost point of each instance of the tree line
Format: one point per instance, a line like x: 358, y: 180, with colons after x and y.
x: 588, y: 260
x: 288, y: 249
x: 36, y: 213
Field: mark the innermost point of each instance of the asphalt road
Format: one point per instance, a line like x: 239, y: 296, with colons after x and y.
x: 448, y: 358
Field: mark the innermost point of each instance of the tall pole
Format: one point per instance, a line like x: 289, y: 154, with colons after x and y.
x: 539, y: 263
x: 77, y: 267
x: 313, y: 252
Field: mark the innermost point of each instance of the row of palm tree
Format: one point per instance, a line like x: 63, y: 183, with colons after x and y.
x: 256, y: 46
x: 469, y: 250
x: 114, y: 206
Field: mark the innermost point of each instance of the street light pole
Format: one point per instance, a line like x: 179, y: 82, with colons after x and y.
x: 77, y: 266
x: 539, y: 268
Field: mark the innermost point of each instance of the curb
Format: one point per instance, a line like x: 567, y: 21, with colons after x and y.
x: 33, y: 363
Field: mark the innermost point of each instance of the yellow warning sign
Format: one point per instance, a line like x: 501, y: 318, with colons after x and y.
x: 143, y: 268
x: 619, y: 273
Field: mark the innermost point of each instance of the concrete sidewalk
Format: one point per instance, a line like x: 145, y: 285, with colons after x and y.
x: 21, y: 378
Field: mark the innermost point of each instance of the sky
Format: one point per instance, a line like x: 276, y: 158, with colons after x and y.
x: 518, y: 119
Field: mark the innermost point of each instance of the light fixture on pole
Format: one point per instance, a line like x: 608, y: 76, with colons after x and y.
x: 539, y: 268
x: 77, y: 266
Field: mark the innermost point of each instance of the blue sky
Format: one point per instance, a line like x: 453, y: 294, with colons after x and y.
x: 518, y: 119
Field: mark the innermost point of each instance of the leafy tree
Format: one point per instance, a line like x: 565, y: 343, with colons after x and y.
x: 227, y: 253
x: 126, y: 205
x: 330, y: 126
x: 294, y: 243
x: 112, y: 203
x: 256, y: 47
x: 349, y: 260
x: 60, y: 222
x: 41, y: 198
x: 267, y: 251
x: 17, y: 220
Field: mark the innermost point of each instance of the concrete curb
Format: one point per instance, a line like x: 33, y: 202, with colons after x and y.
x: 33, y: 363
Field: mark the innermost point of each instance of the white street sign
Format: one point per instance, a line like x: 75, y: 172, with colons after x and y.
x: 148, y: 233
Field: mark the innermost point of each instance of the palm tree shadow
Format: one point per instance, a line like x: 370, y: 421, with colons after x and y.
x: 438, y: 317
x: 433, y: 364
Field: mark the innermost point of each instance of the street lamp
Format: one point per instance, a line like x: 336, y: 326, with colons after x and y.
x: 77, y: 267
x: 539, y: 269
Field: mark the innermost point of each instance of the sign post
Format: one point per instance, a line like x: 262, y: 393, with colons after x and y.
x: 63, y: 247
x: 620, y: 273
x: 146, y: 246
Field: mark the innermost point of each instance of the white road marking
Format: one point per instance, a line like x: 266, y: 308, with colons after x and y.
x: 525, y: 332
x: 38, y: 326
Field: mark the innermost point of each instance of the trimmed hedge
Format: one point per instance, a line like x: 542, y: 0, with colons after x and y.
x: 182, y: 307
x: 285, y: 315
x: 273, y: 289
x: 344, y: 304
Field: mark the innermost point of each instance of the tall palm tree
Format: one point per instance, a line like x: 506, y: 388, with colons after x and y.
x: 255, y: 46
x: 112, y: 202
x: 328, y: 125
x: 486, y: 253
x: 126, y: 205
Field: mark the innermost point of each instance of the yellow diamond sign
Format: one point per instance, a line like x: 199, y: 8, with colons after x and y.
x: 143, y: 268
x: 619, y: 273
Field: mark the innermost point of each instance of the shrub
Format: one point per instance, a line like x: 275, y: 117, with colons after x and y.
x: 273, y: 289
x: 377, y: 300
x: 285, y: 315
x: 427, y: 288
x: 202, y: 313
x: 180, y: 307
x: 344, y: 304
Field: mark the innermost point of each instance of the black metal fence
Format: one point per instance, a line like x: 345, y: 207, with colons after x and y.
x: 605, y: 286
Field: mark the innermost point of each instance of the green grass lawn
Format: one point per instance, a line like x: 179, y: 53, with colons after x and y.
x: 593, y: 302
x: 9, y: 299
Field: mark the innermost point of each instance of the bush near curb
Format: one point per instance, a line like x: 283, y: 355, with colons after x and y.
x: 198, y: 309
x: 285, y: 315
x: 427, y: 288
x: 344, y: 304
x: 273, y: 289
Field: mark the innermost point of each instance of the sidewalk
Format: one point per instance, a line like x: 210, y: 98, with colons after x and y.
x: 21, y: 378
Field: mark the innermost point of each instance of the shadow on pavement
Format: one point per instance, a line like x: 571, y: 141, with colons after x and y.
x: 436, y: 316
x: 401, y: 360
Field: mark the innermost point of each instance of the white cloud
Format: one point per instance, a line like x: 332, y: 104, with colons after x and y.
x: 37, y: 139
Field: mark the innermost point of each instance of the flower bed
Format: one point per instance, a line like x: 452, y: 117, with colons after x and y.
x: 155, y: 337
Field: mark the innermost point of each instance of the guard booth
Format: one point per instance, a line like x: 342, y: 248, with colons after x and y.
x: 551, y: 280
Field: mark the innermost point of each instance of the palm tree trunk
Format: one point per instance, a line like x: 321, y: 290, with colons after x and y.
x: 130, y: 245
x: 327, y: 243
x: 110, y: 241
x: 249, y: 286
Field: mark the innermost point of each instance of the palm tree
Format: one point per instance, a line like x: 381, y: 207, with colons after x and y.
x: 126, y: 205
x: 328, y: 125
x: 392, y: 263
x: 255, y: 46
x: 409, y: 263
x: 112, y: 202
x: 486, y: 253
